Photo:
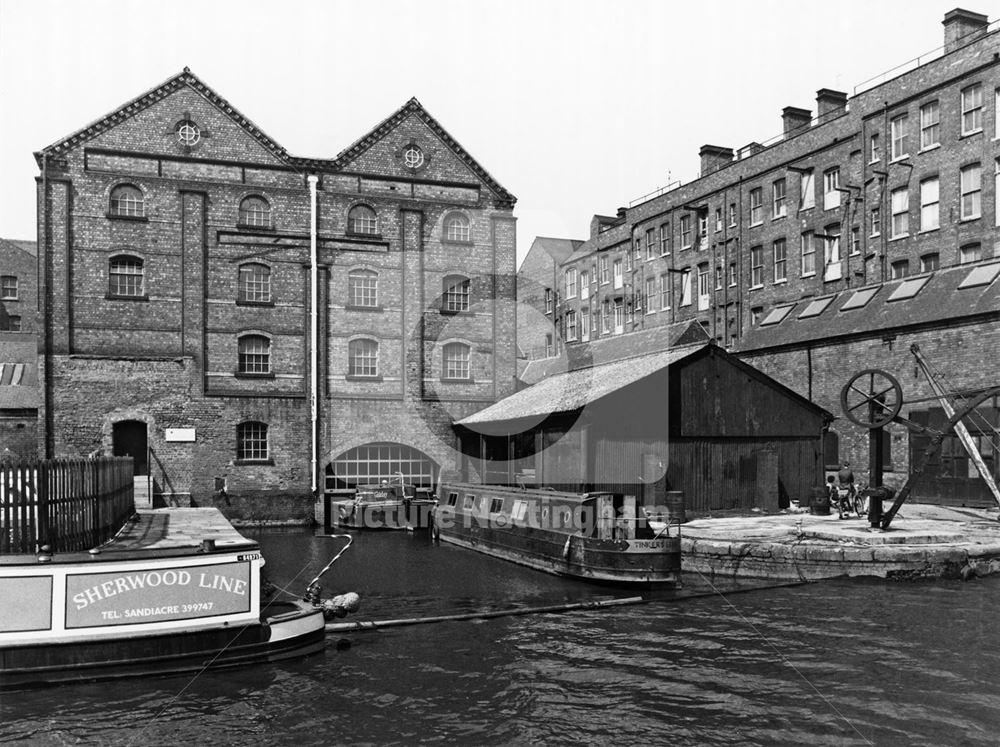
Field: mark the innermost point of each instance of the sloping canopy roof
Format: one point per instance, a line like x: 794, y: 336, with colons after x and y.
x: 18, y: 397
x: 573, y: 390
x: 945, y: 295
x: 28, y: 247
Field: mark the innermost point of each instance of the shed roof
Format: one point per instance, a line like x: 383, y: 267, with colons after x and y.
x: 14, y: 397
x: 941, y: 296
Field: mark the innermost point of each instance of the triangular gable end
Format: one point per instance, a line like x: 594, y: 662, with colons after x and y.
x: 354, y: 154
x: 150, y: 98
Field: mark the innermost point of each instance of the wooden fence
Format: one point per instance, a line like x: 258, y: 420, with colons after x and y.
x: 67, y: 504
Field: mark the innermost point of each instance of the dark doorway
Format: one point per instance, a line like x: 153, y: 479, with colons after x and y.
x: 129, y: 438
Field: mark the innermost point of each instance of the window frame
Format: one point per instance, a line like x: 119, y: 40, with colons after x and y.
x: 900, y: 221
x: 247, y: 280
x: 119, y: 281
x: 975, y: 109
x: 756, y: 206
x: 686, y: 232
x: 360, y: 218
x: 973, y: 193
x: 464, y: 360
x: 363, y: 358
x: 756, y: 267
x: 456, y: 294
x: 808, y: 254
x: 261, y: 434
x: 831, y: 189
x: 253, y: 362
x: 807, y: 189
x: 254, y: 211
x: 9, y: 288
x: 123, y: 207
x: 456, y: 228
x: 899, y: 137
x: 779, y: 199
x: 930, y: 131
x: 362, y: 285
x: 780, y: 264
x: 927, y: 204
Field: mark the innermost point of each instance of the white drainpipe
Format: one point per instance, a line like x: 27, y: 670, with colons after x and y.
x: 313, y: 329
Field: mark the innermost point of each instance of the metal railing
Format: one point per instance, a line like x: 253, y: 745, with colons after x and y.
x: 66, y: 504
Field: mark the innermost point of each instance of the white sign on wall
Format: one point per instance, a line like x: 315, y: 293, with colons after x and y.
x: 178, y: 434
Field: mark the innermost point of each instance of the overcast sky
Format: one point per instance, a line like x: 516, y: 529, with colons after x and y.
x: 575, y: 106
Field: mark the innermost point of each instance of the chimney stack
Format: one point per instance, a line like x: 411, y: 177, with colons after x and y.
x: 794, y: 119
x: 714, y: 157
x: 830, y: 103
x: 961, y: 27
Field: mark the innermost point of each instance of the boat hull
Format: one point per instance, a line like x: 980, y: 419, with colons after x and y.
x: 297, y: 629
x: 390, y: 515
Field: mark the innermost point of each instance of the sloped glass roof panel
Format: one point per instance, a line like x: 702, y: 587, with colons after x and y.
x: 908, y: 289
x: 860, y: 298
x: 816, y: 308
x: 777, y: 315
x: 982, y: 275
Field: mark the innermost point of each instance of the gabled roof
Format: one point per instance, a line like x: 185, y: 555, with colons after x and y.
x: 573, y: 390
x: 651, y: 340
x: 28, y: 247
x: 388, y: 124
x: 558, y: 249
x: 145, y: 100
x: 929, y: 299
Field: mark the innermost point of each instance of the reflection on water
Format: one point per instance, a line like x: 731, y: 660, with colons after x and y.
x: 833, y: 663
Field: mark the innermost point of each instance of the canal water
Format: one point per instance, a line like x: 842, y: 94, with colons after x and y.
x: 832, y: 663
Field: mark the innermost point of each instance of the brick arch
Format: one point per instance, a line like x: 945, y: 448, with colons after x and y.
x: 119, y: 416
x: 373, y: 461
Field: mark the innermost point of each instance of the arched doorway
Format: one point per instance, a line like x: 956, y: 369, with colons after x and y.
x: 374, y: 462
x: 129, y: 439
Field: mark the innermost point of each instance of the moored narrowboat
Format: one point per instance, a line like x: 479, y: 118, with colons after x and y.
x: 154, y: 600
x: 594, y: 536
x: 387, y: 505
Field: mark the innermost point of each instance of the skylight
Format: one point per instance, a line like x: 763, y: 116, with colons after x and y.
x: 860, y: 298
x: 777, y: 315
x: 982, y: 275
x: 816, y: 308
x: 909, y: 288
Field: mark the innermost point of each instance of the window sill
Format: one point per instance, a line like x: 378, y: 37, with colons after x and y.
x: 779, y: 217
x: 897, y: 159
x: 684, y: 248
x: 458, y: 242
x: 809, y: 274
x: 875, y: 236
x: 360, y: 235
x: 469, y: 380
x: 251, y: 227
x: 806, y: 208
x: 971, y: 133
x: 780, y: 282
x: 253, y: 462
x: 970, y: 219
x: 928, y: 230
x: 353, y: 307
x: 758, y: 223
x: 901, y: 237
x: 929, y: 148
x: 245, y: 302
x: 360, y: 377
x: 456, y: 312
x: 131, y: 218
x: 756, y: 287
x: 248, y: 375
x: 116, y: 297
x: 9, y: 298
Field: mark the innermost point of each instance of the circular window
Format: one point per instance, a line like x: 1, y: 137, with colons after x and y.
x: 413, y: 157
x: 188, y: 133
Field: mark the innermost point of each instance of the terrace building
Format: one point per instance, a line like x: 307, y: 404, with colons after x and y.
x: 889, y: 184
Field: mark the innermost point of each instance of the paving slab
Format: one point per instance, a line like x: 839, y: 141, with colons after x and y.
x: 922, y: 541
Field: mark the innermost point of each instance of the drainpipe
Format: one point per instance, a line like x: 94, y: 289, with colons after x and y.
x: 313, y: 330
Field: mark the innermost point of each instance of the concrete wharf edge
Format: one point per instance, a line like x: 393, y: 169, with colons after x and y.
x: 923, y: 541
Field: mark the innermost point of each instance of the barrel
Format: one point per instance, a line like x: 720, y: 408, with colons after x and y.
x: 675, y: 507
x: 819, y: 502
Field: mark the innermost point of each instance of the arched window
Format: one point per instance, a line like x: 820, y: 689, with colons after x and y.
x: 362, y: 219
x: 254, y: 355
x: 456, y: 228
x: 374, y: 462
x: 254, y: 283
x: 362, y: 357
x: 251, y: 441
x: 127, y: 200
x: 362, y: 288
x: 255, y: 211
x: 125, y: 277
x: 455, y: 361
x: 455, y: 294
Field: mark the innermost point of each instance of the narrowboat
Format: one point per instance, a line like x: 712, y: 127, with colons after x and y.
x: 601, y: 537
x: 387, y: 505
x: 177, y: 590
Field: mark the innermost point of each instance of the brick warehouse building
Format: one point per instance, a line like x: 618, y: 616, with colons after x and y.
x: 890, y: 183
x: 175, y: 244
x: 18, y: 350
